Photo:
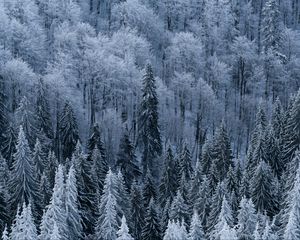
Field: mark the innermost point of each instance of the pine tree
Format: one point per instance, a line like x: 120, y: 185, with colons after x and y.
x: 149, y: 189
x: 179, y: 209
x: 221, y: 152
x: 99, y: 167
x: 185, y: 162
x: 42, y: 111
x: 246, y: 219
x: 262, y: 189
x: 95, y: 141
x: 168, y: 182
x: 196, y: 231
x: 126, y: 161
x: 23, y: 184
x: 148, y: 128
x: 55, y: 212
x: 8, y: 146
x: 137, y: 210
x: 24, y: 228
x: 26, y: 119
x: 123, y: 233
x: 151, y: 229
x: 68, y: 131
x: 73, y: 219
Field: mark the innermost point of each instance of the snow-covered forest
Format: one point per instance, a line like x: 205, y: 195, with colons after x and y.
x: 150, y: 119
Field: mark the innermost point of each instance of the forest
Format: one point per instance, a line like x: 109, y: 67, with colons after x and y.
x: 150, y: 120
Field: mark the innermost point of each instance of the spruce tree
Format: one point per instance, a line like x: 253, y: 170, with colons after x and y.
x: 3, y: 110
x: 50, y: 168
x: 206, y: 159
x: 44, y: 190
x: 42, y: 112
x: 123, y: 232
x: 39, y: 159
x: 26, y: 118
x: 68, y: 131
x: 23, y: 184
x: 127, y: 161
x: 175, y: 231
x: 277, y: 119
x: 151, y: 229
x: 246, y: 219
x: 221, y: 152
x: 262, y: 189
x: 148, y: 129
x: 168, y: 183
x: 179, y: 209
x: 196, y: 231
x: 73, y: 219
x: 95, y: 141
x: 55, y: 212
x: 149, y: 189
x: 196, y: 182
x: 8, y: 146
x: 137, y: 210
x: 99, y: 168
x: 185, y: 162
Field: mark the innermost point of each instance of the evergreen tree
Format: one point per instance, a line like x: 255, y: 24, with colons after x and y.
x: 221, y: 152
x: 99, y: 167
x: 168, y: 182
x: 45, y: 191
x: 123, y: 233
x: 55, y: 212
x: 87, y: 189
x: 24, y: 226
x: 95, y: 141
x: 126, y: 160
x: 277, y: 119
x: 3, y: 110
x: 3, y: 208
x: 246, y: 219
x: 8, y: 146
x: 179, y: 209
x: 196, y: 182
x: 196, y: 231
x: 39, y: 159
x: 137, y: 210
x: 151, y: 229
x: 23, y: 184
x: 262, y: 189
x: 206, y: 159
x: 42, y: 111
x: 148, y: 128
x: 26, y: 119
x: 68, y: 131
x: 185, y: 162
x: 149, y: 189
x: 50, y: 168
x: 175, y: 231
x: 73, y: 219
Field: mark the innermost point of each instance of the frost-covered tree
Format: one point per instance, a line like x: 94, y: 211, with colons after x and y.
x: 39, y: 159
x: 68, y: 131
x: 185, y: 162
x: 196, y: 231
x: 8, y: 146
x: 149, y: 133
x: 151, y: 229
x: 73, y: 218
x: 149, y: 188
x: 123, y: 232
x: 127, y: 161
x: 99, y: 167
x: 179, y: 209
x: 175, y: 231
x: 5, y: 234
x: 23, y: 183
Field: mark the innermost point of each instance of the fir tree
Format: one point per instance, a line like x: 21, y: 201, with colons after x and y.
x: 277, y: 119
x: 175, y: 231
x: 262, y: 189
x: 68, y: 131
x: 42, y: 111
x: 26, y: 119
x: 8, y: 146
x: 24, y: 227
x: 126, y: 161
x: 99, y: 168
x: 148, y: 128
x: 123, y: 232
x: 151, y: 229
x: 206, y: 159
x: 246, y: 219
x: 73, y: 219
x: 185, y: 162
x: 44, y: 190
x: 137, y: 210
x: 149, y: 189
x: 55, y: 212
x: 168, y: 182
x: 3, y: 110
x: 196, y: 231
x: 50, y: 168
x: 179, y: 209
x: 23, y: 184
x: 95, y: 141
x: 196, y: 182
x: 39, y: 159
